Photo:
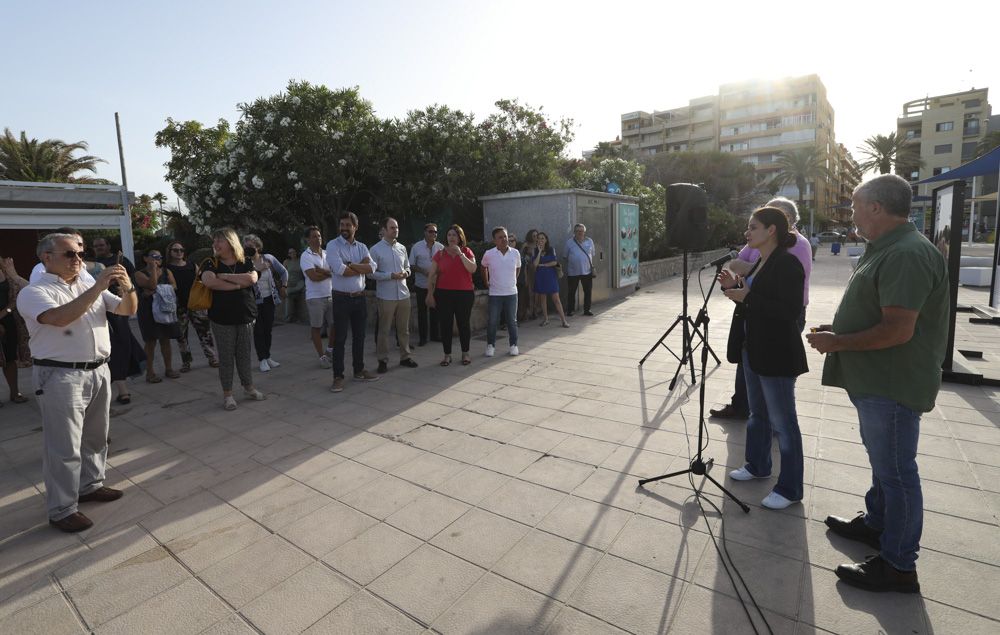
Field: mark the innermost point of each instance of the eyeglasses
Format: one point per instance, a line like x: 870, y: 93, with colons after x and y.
x: 69, y: 254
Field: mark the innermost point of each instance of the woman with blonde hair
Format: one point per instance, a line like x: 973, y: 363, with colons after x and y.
x: 230, y: 275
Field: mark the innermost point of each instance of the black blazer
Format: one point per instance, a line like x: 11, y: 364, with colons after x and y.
x: 767, y: 320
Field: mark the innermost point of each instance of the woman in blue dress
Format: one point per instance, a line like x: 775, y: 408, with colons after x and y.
x: 547, y: 278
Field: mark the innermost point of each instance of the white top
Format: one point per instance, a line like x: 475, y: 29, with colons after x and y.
x: 312, y: 260
x: 503, y: 270
x: 339, y: 253
x: 85, y: 340
x: 390, y: 258
x: 422, y: 256
x: 36, y: 274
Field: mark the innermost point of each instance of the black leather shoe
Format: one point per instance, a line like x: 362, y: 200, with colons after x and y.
x: 383, y: 367
x: 729, y: 412
x: 101, y: 494
x: 855, y: 529
x: 73, y: 523
x: 409, y: 362
x: 588, y: 314
x: 875, y: 574
x: 569, y: 313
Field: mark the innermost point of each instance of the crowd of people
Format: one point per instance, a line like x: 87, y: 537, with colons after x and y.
x: 885, y: 345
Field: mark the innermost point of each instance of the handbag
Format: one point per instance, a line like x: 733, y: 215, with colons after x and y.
x: 200, y: 298
x: 593, y: 274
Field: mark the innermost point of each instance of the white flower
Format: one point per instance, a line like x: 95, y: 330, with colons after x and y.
x: 269, y: 117
x: 229, y: 144
x: 257, y: 182
x: 232, y: 185
x: 445, y: 135
x: 285, y: 121
x: 298, y: 185
x: 242, y: 178
x: 287, y: 155
x: 338, y: 111
x: 220, y: 200
x: 296, y: 101
x: 342, y: 162
x: 293, y: 176
x: 337, y: 135
x: 402, y: 137
x: 214, y: 188
x: 447, y: 170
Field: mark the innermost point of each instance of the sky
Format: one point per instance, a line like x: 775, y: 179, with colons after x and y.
x: 69, y: 67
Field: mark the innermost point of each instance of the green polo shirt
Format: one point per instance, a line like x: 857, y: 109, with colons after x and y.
x: 901, y: 268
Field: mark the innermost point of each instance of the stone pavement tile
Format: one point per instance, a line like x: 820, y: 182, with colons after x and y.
x: 372, y: 553
x: 959, y: 582
x: 987, y: 476
x: 185, y: 515
x: 182, y: 479
x: 631, y: 597
x: 286, y: 505
x: 467, y: 448
x: 557, y: 473
x: 501, y: 430
x: 267, y: 433
x: 837, y: 451
x: 295, y: 604
x: 826, y: 502
x: 659, y: 545
x: 22, y: 515
x: 527, y: 396
x: 38, y: 542
x: 426, y: 411
x: 774, y: 580
x: 351, y: 445
x: 942, y: 618
x: 600, y: 429
x: 426, y: 582
x: 960, y: 537
x: 548, y: 564
x: 979, y: 453
x: 126, y: 585
x: 383, y: 496
x: 509, y: 459
x: 427, y: 515
x: 429, y: 436
x: 452, y: 398
x: 342, y: 478
x: 232, y: 625
x: 781, y: 534
x: 524, y: 502
x: 842, y: 477
x: 215, y: 540
x: 327, y: 528
x: 571, y: 621
x: 480, y: 537
x: 830, y: 604
x: 541, y: 439
x: 664, y: 441
x: 583, y: 450
x: 250, y: 486
x: 388, y: 455
x: 704, y: 611
x: 249, y: 573
x: 935, y: 468
x: 186, y: 436
x: 52, y: 616
x: 104, y: 554
x: 224, y: 450
x: 530, y: 414
x: 496, y: 605
x: 964, y: 502
x: 305, y: 463
x: 15, y: 489
x: 395, y: 426
x: 429, y: 470
x: 489, y: 406
x: 977, y: 433
x: 611, y: 488
x: 365, y: 614
x: 636, y: 462
x: 828, y: 550
x: 279, y: 449
x: 186, y: 608
x: 585, y: 521
x: 320, y: 430
x: 943, y: 447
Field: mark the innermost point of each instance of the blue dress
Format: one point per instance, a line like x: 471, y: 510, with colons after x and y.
x: 546, y: 278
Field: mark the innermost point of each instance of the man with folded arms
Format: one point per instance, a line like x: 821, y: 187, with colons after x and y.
x: 392, y: 268
x: 70, y: 345
x: 318, y: 288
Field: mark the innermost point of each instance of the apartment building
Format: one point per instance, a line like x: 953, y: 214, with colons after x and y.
x: 846, y: 176
x: 755, y: 120
x: 944, y: 131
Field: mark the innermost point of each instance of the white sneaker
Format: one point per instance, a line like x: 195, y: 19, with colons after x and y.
x: 272, y: 363
x: 774, y: 500
x: 490, y: 350
x: 324, y: 362
x: 514, y: 352
x: 743, y: 474
x: 264, y: 368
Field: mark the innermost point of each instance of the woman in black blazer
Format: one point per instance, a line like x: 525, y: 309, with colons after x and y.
x: 765, y: 336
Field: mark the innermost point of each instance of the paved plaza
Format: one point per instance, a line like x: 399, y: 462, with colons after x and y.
x: 499, y: 497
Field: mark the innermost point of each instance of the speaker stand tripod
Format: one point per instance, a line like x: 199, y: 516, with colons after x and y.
x: 699, y: 465
x: 690, y: 331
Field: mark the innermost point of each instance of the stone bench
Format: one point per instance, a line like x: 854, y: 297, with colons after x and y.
x: 975, y: 276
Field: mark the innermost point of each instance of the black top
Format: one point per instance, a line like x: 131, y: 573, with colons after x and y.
x: 4, y: 294
x: 110, y: 261
x: 231, y: 307
x: 766, y: 322
x: 184, y: 277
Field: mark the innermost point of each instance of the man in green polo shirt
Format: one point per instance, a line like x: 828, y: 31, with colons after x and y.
x: 885, y: 348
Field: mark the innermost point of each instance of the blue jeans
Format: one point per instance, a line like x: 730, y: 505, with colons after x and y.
x: 508, y: 305
x: 895, y: 503
x: 772, y: 411
x: 739, y: 399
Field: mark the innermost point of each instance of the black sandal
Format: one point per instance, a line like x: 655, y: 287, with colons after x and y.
x: 19, y: 398
x: 466, y: 359
x: 446, y: 361
x: 124, y: 399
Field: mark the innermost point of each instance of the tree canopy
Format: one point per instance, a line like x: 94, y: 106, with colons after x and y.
x: 48, y: 160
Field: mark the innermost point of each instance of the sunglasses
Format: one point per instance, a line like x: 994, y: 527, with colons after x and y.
x: 155, y: 257
x: 70, y: 254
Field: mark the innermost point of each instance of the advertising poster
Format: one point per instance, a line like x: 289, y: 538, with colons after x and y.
x: 628, y: 244
x: 942, y: 222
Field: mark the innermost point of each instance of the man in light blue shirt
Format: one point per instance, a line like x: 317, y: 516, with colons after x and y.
x: 579, y: 255
x: 349, y: 262
x: 421, y: 259
x: 392, y: 268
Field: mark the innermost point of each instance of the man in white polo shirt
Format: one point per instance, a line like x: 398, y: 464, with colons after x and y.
x: 500, y: 268
x: 319, y: 286
x: 70, y: 345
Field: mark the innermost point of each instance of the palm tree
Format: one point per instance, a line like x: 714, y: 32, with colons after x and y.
x: 50, y: 160
x: 160, y: 198
x: 799, y: 167
x: 883, y: 153
x: 988, y: 143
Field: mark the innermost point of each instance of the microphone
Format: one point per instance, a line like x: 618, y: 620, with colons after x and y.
x: 721, y: 260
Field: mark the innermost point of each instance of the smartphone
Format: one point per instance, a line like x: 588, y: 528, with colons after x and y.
x: 118, y: 258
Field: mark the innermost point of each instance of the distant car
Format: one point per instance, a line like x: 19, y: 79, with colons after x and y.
x: 830, y: 236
